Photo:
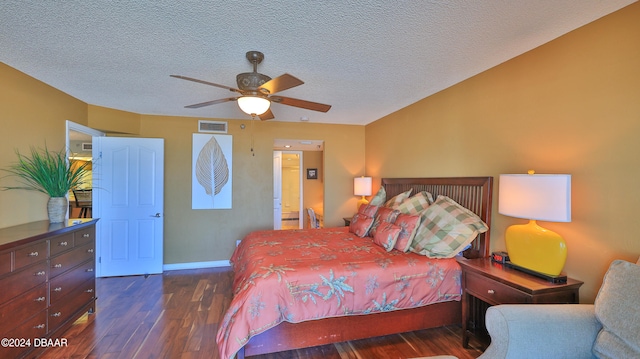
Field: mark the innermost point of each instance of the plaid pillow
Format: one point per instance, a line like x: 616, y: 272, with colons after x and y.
x: 408, y: 225
x: 397, y: 199
x: 386, y: 235
x: 446, y: 229
x: 360, y: 224
x: 416, y: 203
x: 384, y: 214
x: 378, y: 199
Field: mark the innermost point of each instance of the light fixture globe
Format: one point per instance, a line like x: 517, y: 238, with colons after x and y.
x: 253, y: 105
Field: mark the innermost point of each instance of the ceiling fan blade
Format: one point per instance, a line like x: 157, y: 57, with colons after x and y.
x: 206, y: 83
x: 281, y: 83
x: 267, y: 115
x: 208, y: 103
x: 315, y: 106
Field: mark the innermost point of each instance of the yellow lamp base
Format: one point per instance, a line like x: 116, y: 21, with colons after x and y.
x: 361, y: 201
x: 535, y: 248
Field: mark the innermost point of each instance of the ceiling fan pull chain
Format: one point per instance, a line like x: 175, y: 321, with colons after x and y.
x: 253, y: 119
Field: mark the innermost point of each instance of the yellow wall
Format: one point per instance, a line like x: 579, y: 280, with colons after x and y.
x: 314, y: 189
x: 32, y: 114
x: 569, y: 106
x: 208, y: 235
x: 114, y: 121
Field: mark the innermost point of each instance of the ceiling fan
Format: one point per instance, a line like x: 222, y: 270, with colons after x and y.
x: 257, y: 91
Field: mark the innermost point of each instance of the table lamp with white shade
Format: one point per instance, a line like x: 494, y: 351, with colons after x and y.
x: 536, y: 197
x: 362, y: 187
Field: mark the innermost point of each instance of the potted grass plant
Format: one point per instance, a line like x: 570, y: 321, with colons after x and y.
x: 51, y: 173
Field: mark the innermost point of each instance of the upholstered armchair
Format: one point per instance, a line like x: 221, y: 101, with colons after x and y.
x: 609, y: 328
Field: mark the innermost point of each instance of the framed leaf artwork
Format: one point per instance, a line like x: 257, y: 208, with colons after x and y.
x: 211, y: 171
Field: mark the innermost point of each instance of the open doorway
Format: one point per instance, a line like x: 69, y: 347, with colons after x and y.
x: 292, y: 195
x: 298, y: 182
x: 80, y: 148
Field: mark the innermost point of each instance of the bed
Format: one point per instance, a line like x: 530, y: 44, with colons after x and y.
x: 286, y: 330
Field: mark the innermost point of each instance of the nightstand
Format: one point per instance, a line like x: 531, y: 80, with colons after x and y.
x: 486, y: 283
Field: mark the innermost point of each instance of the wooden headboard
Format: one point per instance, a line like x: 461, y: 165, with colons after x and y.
x: 474, y: 193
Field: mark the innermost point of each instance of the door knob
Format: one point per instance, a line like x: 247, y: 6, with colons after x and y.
x: 157, y: 215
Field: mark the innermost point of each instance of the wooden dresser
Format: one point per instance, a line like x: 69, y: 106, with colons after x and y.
x: 47, y: 281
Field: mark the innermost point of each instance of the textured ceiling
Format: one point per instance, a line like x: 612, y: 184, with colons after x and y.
x: 366, y: 58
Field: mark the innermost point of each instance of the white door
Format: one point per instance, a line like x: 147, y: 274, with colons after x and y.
x: 128, y: 181
x: 277, y: 189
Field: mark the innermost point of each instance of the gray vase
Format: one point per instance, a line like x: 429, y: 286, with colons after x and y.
x: 57, y: 209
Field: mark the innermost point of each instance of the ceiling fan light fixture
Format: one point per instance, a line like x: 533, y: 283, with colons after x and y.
x: 253, y: 105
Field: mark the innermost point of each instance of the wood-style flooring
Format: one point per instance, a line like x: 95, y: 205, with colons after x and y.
x: 176, y: 315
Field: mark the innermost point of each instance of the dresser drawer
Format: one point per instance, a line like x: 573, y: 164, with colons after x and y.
x: 70, y: 304
x: 84, y: 236
x: 63, y: 284
x: 60, y: 244
x: 30, y: 254
x: 6, y: 259
x: 15, y: 311
x: 20, y: 282
x: 70, y: 259
x: 493, y: 292
x: 34, y: 327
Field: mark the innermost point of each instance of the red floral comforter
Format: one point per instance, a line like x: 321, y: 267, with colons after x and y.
x: 309, y: 274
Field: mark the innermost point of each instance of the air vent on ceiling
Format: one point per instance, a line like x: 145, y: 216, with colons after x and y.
x: 87, y: 146
x: 212, y: 126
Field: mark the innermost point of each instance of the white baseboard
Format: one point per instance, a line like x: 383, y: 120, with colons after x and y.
x: 196, y: 265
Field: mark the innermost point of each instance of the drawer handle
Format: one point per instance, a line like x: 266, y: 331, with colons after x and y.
x: 40, y: 273
x: 57, y: 265
x: 90, y: 270
x: 90, y: 250
x: 40, y: 299
x: 33, y: 254
x: 56, y: 314
x: 63, y: 244
x: 89, y: 290
x: 57, y: 289
x: 39, y: 326
x: 86, y: 235
x: 491, y: 291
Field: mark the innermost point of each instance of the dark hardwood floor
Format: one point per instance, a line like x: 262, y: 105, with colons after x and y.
x: 176, y: 315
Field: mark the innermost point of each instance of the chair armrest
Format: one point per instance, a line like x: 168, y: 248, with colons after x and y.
x: 541, y: 331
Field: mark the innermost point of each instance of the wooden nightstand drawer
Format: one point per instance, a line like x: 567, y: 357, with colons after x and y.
x: 493, y: 292
x: 485, y: 283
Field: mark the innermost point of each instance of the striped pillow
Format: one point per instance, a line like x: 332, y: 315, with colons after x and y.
x: 416, y: 203
x: 446, y: 229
